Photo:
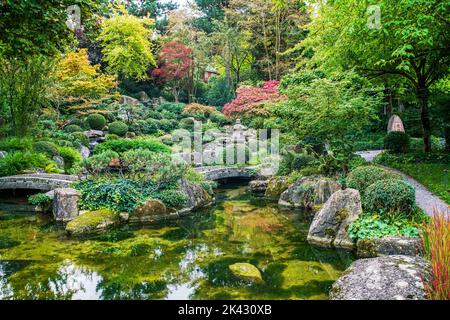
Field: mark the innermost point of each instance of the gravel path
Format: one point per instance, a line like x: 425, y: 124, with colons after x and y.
x: 424, y: 198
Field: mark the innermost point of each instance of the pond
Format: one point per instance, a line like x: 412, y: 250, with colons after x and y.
x: 186, y: 259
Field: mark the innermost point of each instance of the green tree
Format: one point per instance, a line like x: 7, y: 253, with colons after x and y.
x: 411, y: 43
x: 126, y: 45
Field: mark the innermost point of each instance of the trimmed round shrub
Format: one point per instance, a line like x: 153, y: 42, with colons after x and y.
x: 219, y: 118
x: 167, y: 125
x: 81, y: 123
x: 389, y: 195
x: 301, y: 161
x: 46, y: 147
x: 111, y: 137
x: 96, y: 121
x: 71, y: 158
x: 118, y: 127
x: 81, y: 138
x: 362, y: 177
x: 123, y: 145
x: 397, y: 142
x: 72, y: 128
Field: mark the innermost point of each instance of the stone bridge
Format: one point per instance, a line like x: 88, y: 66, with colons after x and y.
x: 37, y: 181
x: 222, y: 172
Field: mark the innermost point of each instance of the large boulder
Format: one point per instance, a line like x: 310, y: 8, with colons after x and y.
x: 94, y: 134
x: 92, y: 222
x: 65, y: 204
x: 258, y: 187
x: 276, y: 186
x: 147, y: 212
x: 308, y: 192
x: 330, y: 225
x: 395, y: 277
x: 198, y: 197
x: 389, y: 245
x: 128, y: 100
x: 246, y: 272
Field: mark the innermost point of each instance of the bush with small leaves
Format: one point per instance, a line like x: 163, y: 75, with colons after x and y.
x: 119, y: 128
x: 150, y: 126
x: 301, y: 161
x: 390, y: 195
x: 173, y: 198
x: 123, y: 145
x: 99, y: 162
x: 96, y: 121
x: 48, y: 148
x: 72, y: 158
x: 16, y: 144
x: 81, y: 138
x: 15, y: 162
x: 362, y: 177
x: 72, y: 128
x: 167, y: 125
x: 397, y: 142
x: 39, y: 199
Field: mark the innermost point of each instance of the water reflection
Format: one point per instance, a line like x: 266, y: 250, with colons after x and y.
x: 187, y: 259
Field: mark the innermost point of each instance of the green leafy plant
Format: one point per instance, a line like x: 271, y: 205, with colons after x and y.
x: 98, y: 163
x: 118, y: 128
x: 96, y: 121
x: 73, y: 128
x: 16, y: 144
x: 48, y: 148
x: 173, y: 198
x: 72, y: 158
x: 389, y: 195
x: 397, y: 142
x: 123, y: 145
x: 15, y: 162
x: 362, y: 177
x: 39, y: 199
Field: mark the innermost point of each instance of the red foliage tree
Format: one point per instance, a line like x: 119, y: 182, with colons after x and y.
x: 175, y: 63
x: 248, y: 98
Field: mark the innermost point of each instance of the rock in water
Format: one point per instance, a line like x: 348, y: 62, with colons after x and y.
x: 276, y: 186
x: 148, y: 211
x: 384, y: 278
x: 330, y: 225
x: 92, y: 222
x: 258, y: 187
x: 389, y: 245
x: 197, y: 196
x: 308, y: 192
x: 247, y: 272
x: 65, y: 204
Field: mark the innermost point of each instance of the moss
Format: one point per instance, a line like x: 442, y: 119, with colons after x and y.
x: 92, y: 222
x: 246, y: 271
x: 341, y: 215
x: 366, y: 248
x: 330, y: 232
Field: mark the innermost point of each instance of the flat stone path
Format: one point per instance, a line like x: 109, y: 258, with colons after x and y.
x: 426, y: 200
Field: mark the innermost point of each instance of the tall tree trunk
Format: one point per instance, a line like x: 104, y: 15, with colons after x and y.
x: 422, y: 96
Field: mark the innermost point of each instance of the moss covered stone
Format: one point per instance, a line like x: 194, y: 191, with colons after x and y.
x: 276, y: 186
x: 92, y: 222
x: 247, y: 272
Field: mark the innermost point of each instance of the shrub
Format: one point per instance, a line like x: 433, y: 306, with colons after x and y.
x: 118, y: 128
x: 47, y: 147
x: 72, y: 128
x: 96, y: 121
x: 99, y: 162
x: 389, y: 195
x: 436, y: 244
x: 110, y: 136
x: 39, y: 199
x: 301, y: 160
x: 187, y: 124
x: 397, y: 142
x: 167, y: 125
x: 373, y: 226
x: 16, y: 144
x: 72, y: 158
x: 219, y: 118
x: 16, y: 162
x: 150, y: 126
x: 198, y: 111
x: 173, y: 198
x: 172, y: 107
x: 81, y: 138
x: 123, y: 145
x: 362, y: 177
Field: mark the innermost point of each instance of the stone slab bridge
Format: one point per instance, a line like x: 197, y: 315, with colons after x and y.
x: 37, y: 181
x: 222, y: 172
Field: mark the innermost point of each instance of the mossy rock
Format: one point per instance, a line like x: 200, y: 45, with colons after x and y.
x: 92, y: 222
x: 276, y: 186
x: 246, y: 272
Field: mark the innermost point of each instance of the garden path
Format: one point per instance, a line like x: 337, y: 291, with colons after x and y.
x: 424, y: 198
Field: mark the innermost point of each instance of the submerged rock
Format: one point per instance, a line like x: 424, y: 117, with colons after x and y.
x: 395, y: 277
x: 247, y: 272
x: 65, y: 204
x: 389, y: 246
x: 330, y: 225
x: 92, y: 222
x: 308, y: 192
x: 276, y: 186
x: 258, y: 187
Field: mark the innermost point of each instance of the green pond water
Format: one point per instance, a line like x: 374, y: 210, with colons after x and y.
x: 186, y: 259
